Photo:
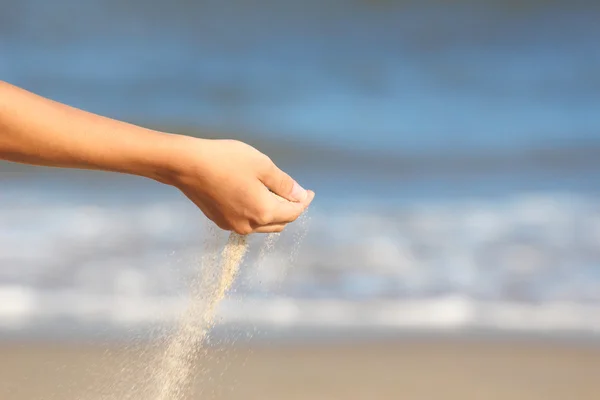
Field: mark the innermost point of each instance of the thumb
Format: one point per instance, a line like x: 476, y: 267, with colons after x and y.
x: 283, y: 185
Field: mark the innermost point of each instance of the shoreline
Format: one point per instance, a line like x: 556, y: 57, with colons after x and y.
x: 269, y: 337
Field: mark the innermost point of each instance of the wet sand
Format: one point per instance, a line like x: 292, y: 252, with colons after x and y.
x: 412, y: 370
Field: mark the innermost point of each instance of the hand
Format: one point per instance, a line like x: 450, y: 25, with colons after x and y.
x: 236, y: 186
x: 231, y: 182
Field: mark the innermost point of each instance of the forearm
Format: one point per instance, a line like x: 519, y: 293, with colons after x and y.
x: 38, y: 131
x: 230, y: 181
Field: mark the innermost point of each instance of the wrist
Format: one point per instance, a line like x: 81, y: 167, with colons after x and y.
x: 167, y: 155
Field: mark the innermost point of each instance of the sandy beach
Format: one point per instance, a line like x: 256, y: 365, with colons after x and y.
x: 387, y: 370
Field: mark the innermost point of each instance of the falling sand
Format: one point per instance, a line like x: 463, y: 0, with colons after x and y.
x: 171, y: 375
x: 182, y: 351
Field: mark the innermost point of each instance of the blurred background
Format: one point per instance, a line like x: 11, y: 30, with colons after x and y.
x: 454, y: 149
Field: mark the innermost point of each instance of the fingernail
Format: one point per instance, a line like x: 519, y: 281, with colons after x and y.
x: 298, y: 192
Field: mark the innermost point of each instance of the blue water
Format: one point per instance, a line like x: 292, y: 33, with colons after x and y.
x: 394, y: 77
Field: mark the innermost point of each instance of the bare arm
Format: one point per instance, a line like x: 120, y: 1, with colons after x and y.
x: 229, y: 181
x: 38, y: 131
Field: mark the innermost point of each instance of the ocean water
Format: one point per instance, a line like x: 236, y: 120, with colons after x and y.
x: 455, y: 152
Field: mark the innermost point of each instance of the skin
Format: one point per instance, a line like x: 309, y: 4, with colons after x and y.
x: 234, y: 185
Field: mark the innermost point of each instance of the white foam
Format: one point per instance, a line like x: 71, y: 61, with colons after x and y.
x: 17, y: 305
x: 524, y: 262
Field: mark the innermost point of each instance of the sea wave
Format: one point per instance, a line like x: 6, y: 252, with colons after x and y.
x: 525, y: 261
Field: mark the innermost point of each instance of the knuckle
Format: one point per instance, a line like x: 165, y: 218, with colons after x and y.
x: 286, y: 184
x: 238, y: 225
x: 267, y: 166
x: 222, y: 223
x: 262, y: 216
x: 234, y: 142
x: 242, y: 229
x: 294, y: 217
x: 238, y: 145
x: 266, y: 160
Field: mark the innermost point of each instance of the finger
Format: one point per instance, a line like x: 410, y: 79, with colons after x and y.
x: 287, y: 211
x: 283, y: 185
x: 273, y: 228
